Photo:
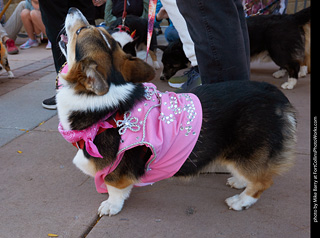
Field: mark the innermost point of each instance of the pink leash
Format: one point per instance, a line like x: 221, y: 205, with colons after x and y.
x: 151, y: 16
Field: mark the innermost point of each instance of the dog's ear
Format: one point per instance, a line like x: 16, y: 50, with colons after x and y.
x: 129, y: 48
x: 85, y: 75
x: 94, y: 81
x: 162, y: 47
x: 134, y: 69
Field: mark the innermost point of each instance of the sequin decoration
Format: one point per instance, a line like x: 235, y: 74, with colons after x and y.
x: 188, y: 108
x: 150, y: 91
x: 167, y: 119
x: 128, y: 122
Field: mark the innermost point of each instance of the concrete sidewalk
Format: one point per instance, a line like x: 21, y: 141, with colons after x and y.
x: 42, y: 192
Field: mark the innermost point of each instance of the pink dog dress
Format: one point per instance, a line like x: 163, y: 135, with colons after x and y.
x: 167, y: 123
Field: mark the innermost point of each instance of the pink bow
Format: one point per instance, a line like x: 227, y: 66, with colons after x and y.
x: 87, y: 135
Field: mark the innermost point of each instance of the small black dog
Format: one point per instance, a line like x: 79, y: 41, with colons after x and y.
x: 173, y: 59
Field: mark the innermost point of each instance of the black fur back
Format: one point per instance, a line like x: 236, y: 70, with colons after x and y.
x: 239, y: 119
x: 277, y: 33
x: 281, y: 37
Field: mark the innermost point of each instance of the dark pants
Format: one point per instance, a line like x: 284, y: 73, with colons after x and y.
x: 219, y: 31
x: 53, y: 14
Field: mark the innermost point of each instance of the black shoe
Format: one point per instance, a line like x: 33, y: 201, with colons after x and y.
x: 50, y: 103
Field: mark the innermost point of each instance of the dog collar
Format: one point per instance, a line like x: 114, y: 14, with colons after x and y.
x: 126, y: 29
x: 81, y: 28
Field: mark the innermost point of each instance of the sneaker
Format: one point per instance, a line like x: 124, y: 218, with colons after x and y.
x: 177, y: 82
x: 50, y: 103
x: 29, y: 43
x: 11, y: 47
x: 48, y: 47
x: 188, y: 80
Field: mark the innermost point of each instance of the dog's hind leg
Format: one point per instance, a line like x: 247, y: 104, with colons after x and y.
x: 280, y: 73
x: 249, y: 196
x: 255, y: 185
x: 236, y: 181
x: 293, y: 69
x: 303, y: 71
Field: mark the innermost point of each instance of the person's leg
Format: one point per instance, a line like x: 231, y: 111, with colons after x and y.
x: 180, y: 24
x: 27, y: 23
x: 191, y: 78
x: 37, y: 22
x: 53, y: 15
x: 171, y: 34
x: 14, y: 23
x: 219, y: 32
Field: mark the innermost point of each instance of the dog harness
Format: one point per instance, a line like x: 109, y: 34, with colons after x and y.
x: 167, y: 123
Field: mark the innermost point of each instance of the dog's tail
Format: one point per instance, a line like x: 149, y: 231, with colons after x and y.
x: 303, y: 17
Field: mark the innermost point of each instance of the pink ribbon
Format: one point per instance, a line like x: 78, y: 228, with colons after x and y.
x: 87, y: 135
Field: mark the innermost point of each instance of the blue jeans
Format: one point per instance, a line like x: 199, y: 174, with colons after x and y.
x: 219, y: 31
x: 171, y: 34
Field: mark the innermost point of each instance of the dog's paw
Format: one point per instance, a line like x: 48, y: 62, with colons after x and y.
x: 303, y: 71
x: 109, y: 208
x: 240, y: 202
x: 156, y: 65
x: 233, y: 182
x: 10, y: 75
x: 279, y: 74
x: 290, y: 84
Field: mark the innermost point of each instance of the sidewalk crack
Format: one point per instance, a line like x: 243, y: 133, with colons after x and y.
x: 91, y: 226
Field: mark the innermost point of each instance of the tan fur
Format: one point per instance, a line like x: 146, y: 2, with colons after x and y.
x: 90, y: 75
x: 120, y: 182
x: 4, y: 59
x: 307, y: 57
x: 258, y: 170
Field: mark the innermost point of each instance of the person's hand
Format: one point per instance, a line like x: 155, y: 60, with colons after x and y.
x: 162, y: 14
x: 98, y: 3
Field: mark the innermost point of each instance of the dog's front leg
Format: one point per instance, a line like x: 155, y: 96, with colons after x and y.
x: 114, y: 203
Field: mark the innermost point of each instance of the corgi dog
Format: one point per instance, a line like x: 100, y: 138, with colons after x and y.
x: 284, y: 39
x: 4, y: 60
x: 133, y: 36
x: 130, y: 134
